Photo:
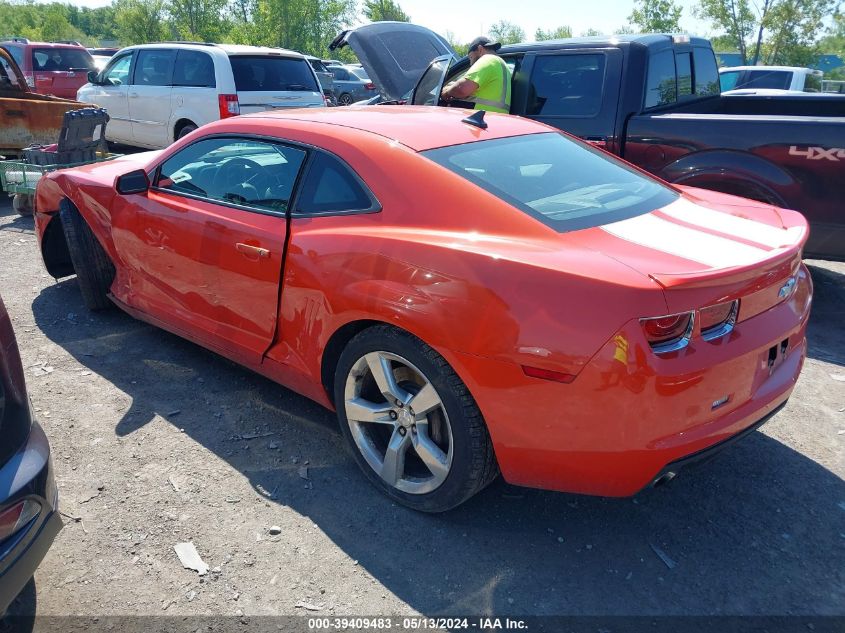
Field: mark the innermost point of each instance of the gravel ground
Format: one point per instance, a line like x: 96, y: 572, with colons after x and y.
x: 157, y: 441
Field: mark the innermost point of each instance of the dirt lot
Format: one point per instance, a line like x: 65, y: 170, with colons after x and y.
x: 157, y: 441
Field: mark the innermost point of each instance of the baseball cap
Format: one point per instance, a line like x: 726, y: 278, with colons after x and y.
x: 485, y: 42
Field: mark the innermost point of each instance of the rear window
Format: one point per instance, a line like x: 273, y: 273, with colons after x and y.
x: 777, y: 79
x: 64, y: 59
x: 265, y: 73
x: 564, y: 184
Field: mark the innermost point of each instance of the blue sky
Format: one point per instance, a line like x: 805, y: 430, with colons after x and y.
x: 469, y: 18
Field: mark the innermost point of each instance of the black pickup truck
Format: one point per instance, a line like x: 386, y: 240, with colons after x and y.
x: 655, y: 101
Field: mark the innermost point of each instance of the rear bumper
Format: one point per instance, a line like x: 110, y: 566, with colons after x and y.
x: 27, y: 475
x: 671, y: 470
x: 629, y: 414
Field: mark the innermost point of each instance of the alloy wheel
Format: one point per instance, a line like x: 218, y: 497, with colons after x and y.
x: 398, y: 422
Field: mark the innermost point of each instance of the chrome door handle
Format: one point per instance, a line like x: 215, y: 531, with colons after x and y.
x: 133, y: 95
x: 249, y: 249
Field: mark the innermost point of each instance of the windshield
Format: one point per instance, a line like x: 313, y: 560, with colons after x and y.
x: 64, y: 59
x: 270, y: 72
x: 564, y: 184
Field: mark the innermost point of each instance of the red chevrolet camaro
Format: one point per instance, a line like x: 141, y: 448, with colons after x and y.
x: 472, y: 296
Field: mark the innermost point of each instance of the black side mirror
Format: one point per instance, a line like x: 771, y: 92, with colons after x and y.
x: 133, y: 182
x: 93, y: 77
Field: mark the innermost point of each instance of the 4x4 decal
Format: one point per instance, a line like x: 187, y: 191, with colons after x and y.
x: 818, y: 153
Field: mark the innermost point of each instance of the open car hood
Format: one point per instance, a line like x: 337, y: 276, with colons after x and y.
x: 394, y: 54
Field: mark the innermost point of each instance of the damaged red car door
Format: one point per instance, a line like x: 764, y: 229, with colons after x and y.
x: 203, y: 247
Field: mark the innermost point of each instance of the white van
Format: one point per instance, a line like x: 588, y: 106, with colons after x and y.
x: 157, y: 93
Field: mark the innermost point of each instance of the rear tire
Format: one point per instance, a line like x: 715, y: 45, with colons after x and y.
x: 94, y: 270
x: 345, y: 99
x: 440, y: 453
x: 185, y: 130
x: 23, y: 203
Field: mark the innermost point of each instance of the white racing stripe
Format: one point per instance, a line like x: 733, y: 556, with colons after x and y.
x: 665, y: 236
x: 757, y: 232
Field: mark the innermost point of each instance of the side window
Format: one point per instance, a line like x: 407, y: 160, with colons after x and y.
x: 17, y: 54
x: 194, y: 69
x: 331, y: 187
x: 706, y: 73
x: 660, y: 84
x: 251, y: 173
x: 154, y: 67
x: 813, y: 83
x: 566, y: 85
x: 8, y: 79
x: 117, y: 73
x: 340, y: 74
x: 39, y: 60
x: 683, y: 62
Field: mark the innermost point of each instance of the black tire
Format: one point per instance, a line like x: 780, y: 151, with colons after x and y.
x: 94, y: 269
x: 473, y: 463
x: 185, y: 130
x: 345, y: 99
x: 24, y: 204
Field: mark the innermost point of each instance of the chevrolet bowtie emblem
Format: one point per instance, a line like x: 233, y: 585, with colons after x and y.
x: 786, y: 289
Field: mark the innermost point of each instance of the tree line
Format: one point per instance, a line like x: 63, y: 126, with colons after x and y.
x: 789, y: 32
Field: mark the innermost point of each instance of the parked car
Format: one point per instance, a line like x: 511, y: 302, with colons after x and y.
x: 655, y: 101
x: 325, y: 78
x: 782, y: 78
x: 29, y: 516
x: 51, y: 69
x: 475, y: 294
x: 26, y: 117
x: 351, y: 84
x: 157, y: 93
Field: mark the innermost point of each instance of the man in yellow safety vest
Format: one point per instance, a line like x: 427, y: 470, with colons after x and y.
x: 487, y: 83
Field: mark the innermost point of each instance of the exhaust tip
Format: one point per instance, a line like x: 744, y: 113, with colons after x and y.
x: 665, y: 478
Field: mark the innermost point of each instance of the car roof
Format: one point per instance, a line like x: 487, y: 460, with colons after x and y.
x: 644, y: 39
x: 229, y: 49
x: 417, y: 127
x: 42, y: 44
x: 767, y: 68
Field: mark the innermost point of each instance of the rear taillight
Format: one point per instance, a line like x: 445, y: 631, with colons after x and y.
x: 370, y: 86
x: 718, y: 320
x: 30, y: 79
x: 668, y: 333
x: 16, y: 517
x: 229, y: 106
